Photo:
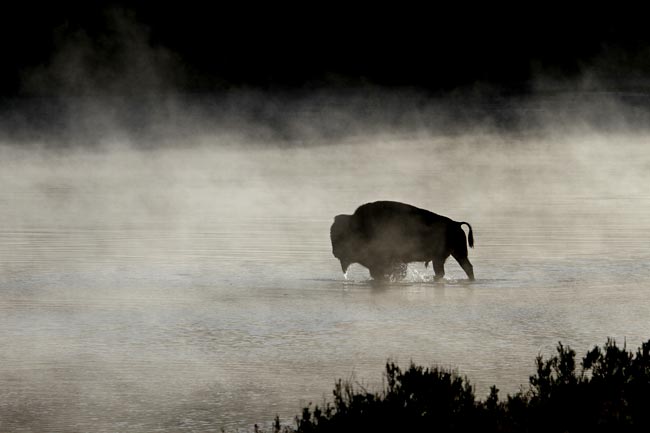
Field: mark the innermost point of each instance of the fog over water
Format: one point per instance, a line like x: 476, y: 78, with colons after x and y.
x: 159, y: 281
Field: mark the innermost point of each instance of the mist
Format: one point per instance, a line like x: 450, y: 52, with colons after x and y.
x: 165, y: 260
x: 189, y: 279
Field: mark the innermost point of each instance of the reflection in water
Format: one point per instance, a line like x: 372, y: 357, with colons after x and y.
x: 196, y: 289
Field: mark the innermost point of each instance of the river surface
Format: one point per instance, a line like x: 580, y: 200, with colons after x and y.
x: 192, y: 288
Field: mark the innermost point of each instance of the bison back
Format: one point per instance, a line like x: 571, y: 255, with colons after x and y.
x: 399, y: 230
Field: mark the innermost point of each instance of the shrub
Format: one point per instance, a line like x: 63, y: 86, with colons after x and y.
x: 608, y: 392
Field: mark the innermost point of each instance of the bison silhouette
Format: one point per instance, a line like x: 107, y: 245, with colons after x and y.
x: 385, y: 236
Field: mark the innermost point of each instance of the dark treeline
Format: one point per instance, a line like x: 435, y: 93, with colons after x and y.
x: 206, y: 46
x: 609, y: 391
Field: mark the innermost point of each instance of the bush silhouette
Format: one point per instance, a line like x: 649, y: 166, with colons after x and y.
x: 609, y: 391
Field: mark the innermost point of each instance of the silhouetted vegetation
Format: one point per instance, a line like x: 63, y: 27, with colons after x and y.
x: 608, y: 392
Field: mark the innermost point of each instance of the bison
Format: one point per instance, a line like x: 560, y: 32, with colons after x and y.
x: 385, y: 236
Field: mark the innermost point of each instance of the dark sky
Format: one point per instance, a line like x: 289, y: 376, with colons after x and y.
x: 329, y: 45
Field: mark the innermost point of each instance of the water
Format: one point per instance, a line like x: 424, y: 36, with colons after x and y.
x: 193, y: 288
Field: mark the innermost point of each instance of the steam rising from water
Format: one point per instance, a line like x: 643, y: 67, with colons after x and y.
x: 170, y: 286
x: 165, y: 261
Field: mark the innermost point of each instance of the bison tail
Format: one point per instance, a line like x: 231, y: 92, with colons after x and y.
x: 470, y: 237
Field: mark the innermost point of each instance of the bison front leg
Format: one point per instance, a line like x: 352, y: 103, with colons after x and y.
x: 388, y: 270
x: 398, y: 271
x: 377, y: 272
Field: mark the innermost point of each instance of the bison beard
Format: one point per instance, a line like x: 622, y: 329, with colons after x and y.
x: 384, y: 236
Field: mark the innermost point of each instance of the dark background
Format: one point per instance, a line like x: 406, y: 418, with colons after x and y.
x: 217, y: 48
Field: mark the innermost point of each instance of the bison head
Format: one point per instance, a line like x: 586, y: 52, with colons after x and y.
x: 343, y: 241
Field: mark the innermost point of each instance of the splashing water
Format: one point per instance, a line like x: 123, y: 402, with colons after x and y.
x: 414, y: 272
